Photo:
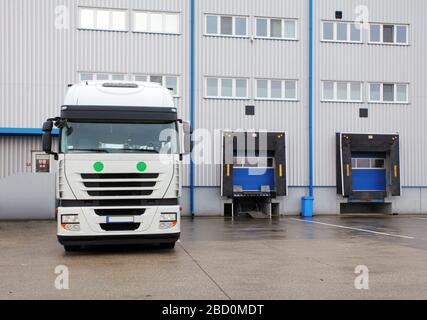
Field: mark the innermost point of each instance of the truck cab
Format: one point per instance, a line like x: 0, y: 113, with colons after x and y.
x: 119, y: 172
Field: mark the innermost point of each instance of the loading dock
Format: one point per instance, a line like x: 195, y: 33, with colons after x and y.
x: 253, y: 172
x: 368, y: 171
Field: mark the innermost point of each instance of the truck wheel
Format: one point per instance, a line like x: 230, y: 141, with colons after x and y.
x: 169, y: 245
x: 71, y: 248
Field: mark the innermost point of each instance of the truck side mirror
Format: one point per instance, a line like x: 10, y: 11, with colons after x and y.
x: 47, y: 142
x: 47, y: 138
x: 186, y: 129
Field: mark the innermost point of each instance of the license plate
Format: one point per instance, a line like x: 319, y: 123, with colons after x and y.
x: 119, y: 219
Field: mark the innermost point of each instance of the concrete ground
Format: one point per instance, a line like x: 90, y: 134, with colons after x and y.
x: 218, y: 258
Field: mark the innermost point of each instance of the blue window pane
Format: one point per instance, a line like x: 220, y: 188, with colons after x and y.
x: 212, y: 87
x: 240, y: 27
x: 226, y: 88
x: 261, y: 27
x: 211, y: 25
x: 241, y: 88
x: 401, y: 34
x: 375, y: 33
x: 262, y: 89
x: 328, y: 31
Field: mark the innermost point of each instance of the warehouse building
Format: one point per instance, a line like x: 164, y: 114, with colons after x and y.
x: 341, y: 84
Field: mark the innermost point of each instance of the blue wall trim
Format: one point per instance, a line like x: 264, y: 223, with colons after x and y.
x: 192, y: 96
x: 301, y: 187
x: 310, y: 102
x: 24, y: 131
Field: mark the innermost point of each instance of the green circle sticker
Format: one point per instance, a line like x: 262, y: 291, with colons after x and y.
x: 141, y: 166
x: 98, y: 166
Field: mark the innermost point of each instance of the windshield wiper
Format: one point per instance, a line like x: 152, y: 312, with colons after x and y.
x: 91, y: 150
x: 140, y: 150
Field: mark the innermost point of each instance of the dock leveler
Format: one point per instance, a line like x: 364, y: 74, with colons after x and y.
x: 368, y: 171
x: 253, y: 172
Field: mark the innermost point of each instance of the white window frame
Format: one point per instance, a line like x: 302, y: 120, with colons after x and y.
x: 163, y: 14
x: 335, y: 98
x: 164, y: 76
x: 109, y: 74
x: 269, y: 37
x: 395, y: 43
x: 269, y: 97
x: 234, y: 88
x: 218, y: 26
x: 110, y: 10
x: 335, y: 32
x: 355, y: 164
x: 381, y: 101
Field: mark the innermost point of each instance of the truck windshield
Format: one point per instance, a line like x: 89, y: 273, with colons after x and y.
x: 120, y: 138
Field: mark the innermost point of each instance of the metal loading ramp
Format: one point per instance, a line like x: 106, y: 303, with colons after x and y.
x: 253, y: 173
x: 368, y: 171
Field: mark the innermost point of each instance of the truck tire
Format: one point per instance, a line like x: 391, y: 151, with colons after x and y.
x: 72, y: 248
x: 169, y: 245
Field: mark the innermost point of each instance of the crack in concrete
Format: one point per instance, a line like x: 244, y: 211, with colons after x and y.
x: 204, y: 271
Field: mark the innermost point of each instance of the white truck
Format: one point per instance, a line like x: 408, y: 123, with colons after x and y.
x: 119, y: 165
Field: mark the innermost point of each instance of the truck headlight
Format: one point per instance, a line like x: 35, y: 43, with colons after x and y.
x: 168, y: 220
x: 71, y: 227
x: 70, y: 222
x: 70, y: 219
x: 168, y: 217
x: 167, y: 225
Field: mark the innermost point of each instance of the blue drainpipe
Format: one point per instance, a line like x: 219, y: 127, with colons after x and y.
x: 307, y: 202
x: 192, y: 96
x: 311, y: 88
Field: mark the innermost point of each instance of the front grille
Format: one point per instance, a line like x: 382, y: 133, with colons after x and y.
x: 119, y: 212
x: 119, y: 226
x: 120, y: 176
x: 119, y: 184
x: 123, y: 193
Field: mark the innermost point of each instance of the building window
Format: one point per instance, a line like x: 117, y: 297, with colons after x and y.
x: 228, y: 88
x: 328, y: 31
x: 226, y: 26
x: 212, y: 88
x: 240, y: 26
x: 388, y: 92
x: 103, y: 19
x: 367, y: 163
x: 168, y: 81
x: 101, y: 76
x: 236, y: 26
x: 389, y: 34
x: 342, y: 91
x: 156, y: 22
x: 342, y: 32
x: 272, y: 89
x: 276, y: 28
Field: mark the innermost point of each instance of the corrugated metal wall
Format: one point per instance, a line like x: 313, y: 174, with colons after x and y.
x: 38, y: 61
x: 254, y: 58
x: 371, y: 63
x: 16, y: 153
